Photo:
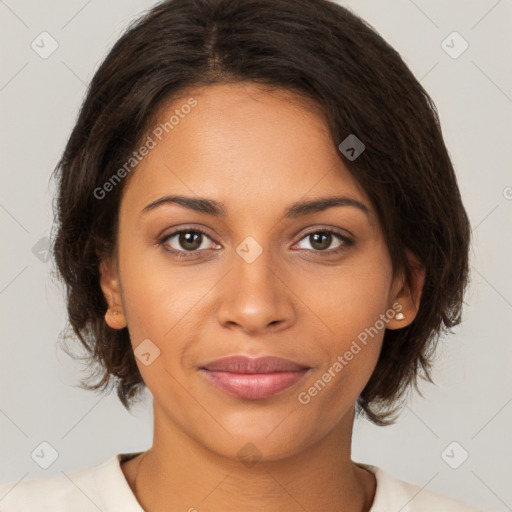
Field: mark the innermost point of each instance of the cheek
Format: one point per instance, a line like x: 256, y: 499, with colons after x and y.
x: 157, y: 295
x: 350, y: 308
x: 350, y: 347
x: 353, y: 297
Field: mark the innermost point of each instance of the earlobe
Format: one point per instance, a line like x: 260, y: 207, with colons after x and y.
x: 406, y: 302
x: 114, y: 316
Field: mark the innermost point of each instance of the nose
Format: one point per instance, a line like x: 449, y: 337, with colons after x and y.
x: 255, y: 296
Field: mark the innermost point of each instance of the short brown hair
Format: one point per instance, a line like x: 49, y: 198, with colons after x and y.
x: 316, y: 49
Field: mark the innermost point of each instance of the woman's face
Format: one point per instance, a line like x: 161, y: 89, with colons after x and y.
x: 258, y: 282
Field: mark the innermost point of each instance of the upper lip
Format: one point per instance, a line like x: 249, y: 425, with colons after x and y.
x: 245, y: 364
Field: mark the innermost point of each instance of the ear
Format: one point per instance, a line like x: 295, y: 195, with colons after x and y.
x: 406, y: 299
x: 109, y: 282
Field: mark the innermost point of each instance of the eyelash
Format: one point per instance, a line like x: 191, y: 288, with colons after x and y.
x: 347, y: 242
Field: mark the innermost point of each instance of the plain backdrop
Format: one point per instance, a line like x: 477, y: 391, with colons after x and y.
x: 466, y: 414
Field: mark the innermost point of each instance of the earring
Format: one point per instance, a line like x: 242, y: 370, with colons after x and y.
x: 116, y: 312
x: 400, y: 316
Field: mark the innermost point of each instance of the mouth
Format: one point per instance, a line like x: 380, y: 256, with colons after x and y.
x: 253, y: 378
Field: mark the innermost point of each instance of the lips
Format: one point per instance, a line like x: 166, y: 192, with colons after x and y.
x: 244, y: 364
x: 253, y: 378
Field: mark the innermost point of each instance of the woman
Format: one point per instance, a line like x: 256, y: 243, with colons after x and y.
x: 257, y: 219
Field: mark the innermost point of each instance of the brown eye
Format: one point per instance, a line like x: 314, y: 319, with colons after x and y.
x: 321, y: 240
x: 185, y: 240
x: 189, y: 240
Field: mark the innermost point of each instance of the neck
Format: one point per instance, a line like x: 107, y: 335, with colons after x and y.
x: 177, y: 473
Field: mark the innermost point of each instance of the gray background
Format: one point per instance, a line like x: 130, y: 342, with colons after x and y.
x: 471, y: 401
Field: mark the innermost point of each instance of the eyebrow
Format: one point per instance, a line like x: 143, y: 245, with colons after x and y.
x: 292, y: 211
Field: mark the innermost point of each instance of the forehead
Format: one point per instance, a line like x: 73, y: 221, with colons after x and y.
x: 241, y: 143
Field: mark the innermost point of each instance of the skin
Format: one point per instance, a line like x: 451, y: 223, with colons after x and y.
x: 256, y: 151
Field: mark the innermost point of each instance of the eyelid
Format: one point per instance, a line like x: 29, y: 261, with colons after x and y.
x: 330, y: 229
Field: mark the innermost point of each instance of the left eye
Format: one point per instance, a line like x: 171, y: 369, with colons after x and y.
x: 322, y: 239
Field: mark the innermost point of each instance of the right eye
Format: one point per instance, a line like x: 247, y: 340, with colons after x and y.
x: 191, y: 240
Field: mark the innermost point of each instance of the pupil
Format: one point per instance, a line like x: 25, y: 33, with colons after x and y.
x: 187, y: 243
x: 324, y: 245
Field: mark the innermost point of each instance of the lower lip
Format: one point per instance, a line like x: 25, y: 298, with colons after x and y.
x: 253, y: 386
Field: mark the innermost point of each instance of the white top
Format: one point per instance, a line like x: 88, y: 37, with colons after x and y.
x: 104, y: 488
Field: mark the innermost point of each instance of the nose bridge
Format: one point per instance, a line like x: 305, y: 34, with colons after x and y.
x: 253, y: 296
x: 254, y: 267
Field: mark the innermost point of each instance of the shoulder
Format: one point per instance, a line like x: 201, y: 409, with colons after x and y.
x: 393, y: 493
x: 52, y: 493
x: 89, y: 489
